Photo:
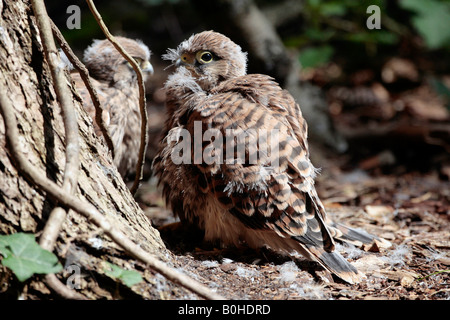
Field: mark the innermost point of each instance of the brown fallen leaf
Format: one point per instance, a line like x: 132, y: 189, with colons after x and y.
x: 376, y: 245
x: 444, y: 260
x: 397, y: 68
x: 382, y: 159
x: 407, y: 280
x: 376, y: 211
x: 370, y: 264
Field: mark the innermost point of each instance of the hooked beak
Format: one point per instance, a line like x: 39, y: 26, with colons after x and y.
x: 147, y: 67
x: 178, y: 63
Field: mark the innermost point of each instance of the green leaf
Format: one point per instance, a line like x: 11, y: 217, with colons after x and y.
x: 333, y: 9
x: 4, y: 247
x: 432, y: 20
x: 128, y: 277
x: 25, y: 257
x: 415, y: 5
x: 434, y: 28
x: 317, y: 56
x: 319, y: 35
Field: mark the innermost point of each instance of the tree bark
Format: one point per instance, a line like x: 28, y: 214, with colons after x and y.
x: 25, y: 75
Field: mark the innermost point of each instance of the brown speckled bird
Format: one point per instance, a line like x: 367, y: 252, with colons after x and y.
x: 237, y: 199
x: 116, y: 84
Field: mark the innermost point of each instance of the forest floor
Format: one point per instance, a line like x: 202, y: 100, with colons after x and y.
x: 411, y: 210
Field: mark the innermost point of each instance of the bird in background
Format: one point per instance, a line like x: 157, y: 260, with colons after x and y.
x: 116, y: 84
x: 239, y: 201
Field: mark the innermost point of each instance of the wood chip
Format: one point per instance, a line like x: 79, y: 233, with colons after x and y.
x: 405, y: 277
x: 371, y: 247
x: 378, y: 211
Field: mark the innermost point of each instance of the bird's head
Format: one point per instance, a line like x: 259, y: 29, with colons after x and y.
x: 210, y: 58
x: 105, y: 63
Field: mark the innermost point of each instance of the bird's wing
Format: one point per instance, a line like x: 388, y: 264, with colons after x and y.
x: 273, y: 193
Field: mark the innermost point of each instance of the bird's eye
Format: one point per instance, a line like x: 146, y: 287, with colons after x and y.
x: 184, y: 57
x: 205, y: 57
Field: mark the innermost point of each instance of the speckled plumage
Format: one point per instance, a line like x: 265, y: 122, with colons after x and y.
x: 262, y: 203
x: 116, y: 84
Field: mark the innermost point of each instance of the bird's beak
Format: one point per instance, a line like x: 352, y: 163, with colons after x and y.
x: 147, y: 67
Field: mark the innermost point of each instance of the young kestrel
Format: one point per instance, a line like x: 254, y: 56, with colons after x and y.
x: 116, y: 84
x: 260, y: 195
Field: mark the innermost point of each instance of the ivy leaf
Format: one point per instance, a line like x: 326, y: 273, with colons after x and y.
x: 128, y: 277
x: 431, y: 20
x: 25, y: 257
x: 434, y: 28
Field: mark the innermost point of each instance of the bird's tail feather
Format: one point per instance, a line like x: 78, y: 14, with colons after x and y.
x: 356, y: 237
x: 335, y: 263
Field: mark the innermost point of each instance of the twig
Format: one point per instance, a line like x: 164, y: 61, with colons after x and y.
x: 84, y: 74
x: 85, y: 208
x: 62, y: 92
x: 54, y: 223
x: 47, y: 241
x: 142, y: 107
x: 62, y: 289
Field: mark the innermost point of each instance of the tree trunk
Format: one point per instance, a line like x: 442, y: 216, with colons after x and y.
x: 26, y: 76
